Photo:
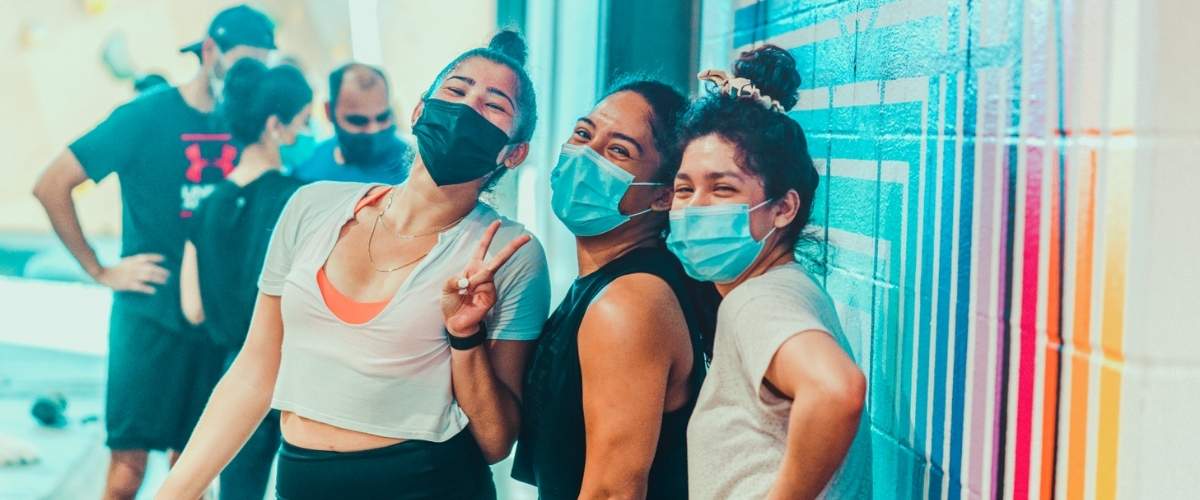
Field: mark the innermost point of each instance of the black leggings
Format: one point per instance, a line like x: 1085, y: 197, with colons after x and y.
x: 451, y: 470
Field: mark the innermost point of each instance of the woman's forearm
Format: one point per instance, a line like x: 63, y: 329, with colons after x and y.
x: 237, y: 406
x: 820, y: 430
x: 490, y: 405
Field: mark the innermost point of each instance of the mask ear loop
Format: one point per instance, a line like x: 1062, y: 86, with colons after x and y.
x: 647, y: 210
x: 760, y: 205
x: 501, y: 164
x: 768, y: 235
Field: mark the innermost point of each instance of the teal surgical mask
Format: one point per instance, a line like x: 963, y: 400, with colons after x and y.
x: 714, y: 242
x: 299, y: 151
x: 586, y: 191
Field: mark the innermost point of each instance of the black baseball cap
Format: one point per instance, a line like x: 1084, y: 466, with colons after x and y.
x: 239, y: 25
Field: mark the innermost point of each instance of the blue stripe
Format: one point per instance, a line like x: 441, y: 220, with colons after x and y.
x: 946, y: 276
x: 926, y: 301
x: 966, y: 248
x: 765, y: 19
x: 943, y: 270
x: 908, y: 333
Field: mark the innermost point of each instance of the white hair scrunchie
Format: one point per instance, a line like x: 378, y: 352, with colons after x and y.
x: 740, y: 88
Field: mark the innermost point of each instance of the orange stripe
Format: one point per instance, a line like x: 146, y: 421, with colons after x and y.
x: 1054, y: 338
x: 1080, y: 338
x: 1095, y: 132
x: 1116, y: 229
x: 1110, y: 415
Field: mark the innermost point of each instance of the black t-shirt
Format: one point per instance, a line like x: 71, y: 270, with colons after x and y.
x: 166, y: 155
x: 231, y: 231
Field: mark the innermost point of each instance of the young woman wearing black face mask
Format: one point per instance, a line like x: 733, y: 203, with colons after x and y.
x: 387, y: 321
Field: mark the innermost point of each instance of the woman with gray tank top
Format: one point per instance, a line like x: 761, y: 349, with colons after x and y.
x: 389, y: 331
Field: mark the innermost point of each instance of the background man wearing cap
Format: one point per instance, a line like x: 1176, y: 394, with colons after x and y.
x: 365, y: 148
x: 166, y: 148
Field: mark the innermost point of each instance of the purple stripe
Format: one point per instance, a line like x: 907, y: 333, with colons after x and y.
x: 997, y: 445
x: 984, y: 325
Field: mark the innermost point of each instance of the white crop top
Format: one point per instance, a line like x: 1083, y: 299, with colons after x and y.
x: 389, y: 376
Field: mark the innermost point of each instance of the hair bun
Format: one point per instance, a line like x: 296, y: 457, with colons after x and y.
x: 242, y: 80
x: 773, y: 71
x: 510, y: 43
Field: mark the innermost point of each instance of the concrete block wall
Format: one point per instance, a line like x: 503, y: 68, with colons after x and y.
x: 1009, y: 217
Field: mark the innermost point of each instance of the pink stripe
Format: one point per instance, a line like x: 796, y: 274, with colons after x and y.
x: 1028, y: 339
x: 205, y: 137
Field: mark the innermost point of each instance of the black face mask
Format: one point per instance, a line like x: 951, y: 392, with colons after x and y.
x: 456, y: 143
x: 366, y: 149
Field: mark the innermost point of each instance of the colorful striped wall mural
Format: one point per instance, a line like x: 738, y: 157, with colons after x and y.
x: 978, y: 168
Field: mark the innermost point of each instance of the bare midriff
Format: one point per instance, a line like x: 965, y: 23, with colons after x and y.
x: 314, y: 435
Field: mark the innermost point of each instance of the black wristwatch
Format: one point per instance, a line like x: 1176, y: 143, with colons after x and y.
x: 467, y: 343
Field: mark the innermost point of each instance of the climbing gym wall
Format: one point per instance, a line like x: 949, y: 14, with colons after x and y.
x: 1008, y: 208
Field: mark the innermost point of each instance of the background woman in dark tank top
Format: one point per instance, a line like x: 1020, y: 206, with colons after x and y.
x: 616, y: 373
x: 229, y: 232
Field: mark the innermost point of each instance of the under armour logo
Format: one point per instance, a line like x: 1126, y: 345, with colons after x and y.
x: 197, y: 162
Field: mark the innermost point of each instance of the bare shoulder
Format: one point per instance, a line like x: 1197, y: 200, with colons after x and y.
x: 636, y: 310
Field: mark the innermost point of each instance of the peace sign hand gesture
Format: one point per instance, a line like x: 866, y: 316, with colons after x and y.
x: 467, y: 297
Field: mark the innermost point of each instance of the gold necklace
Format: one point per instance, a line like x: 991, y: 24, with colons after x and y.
x: 371, y: 238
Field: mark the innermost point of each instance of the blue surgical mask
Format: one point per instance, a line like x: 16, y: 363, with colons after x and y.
x: 298, y: 152
x: 587, y: 190
x: 714, y: 242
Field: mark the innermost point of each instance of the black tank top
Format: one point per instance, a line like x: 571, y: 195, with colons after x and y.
x: 551, y: 446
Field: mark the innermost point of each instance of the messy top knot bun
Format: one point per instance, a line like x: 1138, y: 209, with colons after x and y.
x: 510, y: 43
x: 770, y: 145
x: 506, y: 48
x: 253, y: 93
x: 773, y: 71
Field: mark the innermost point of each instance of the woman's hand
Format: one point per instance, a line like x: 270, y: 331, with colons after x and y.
x: 467, y: 297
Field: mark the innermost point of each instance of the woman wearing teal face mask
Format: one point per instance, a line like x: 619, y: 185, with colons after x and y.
x: 266, y: 108
x: 389, y: 331
x: 617, y: 370
x: 780, y: 414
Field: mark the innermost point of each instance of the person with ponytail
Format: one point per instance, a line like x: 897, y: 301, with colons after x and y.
x: 616, y: 373
x: 265, y: 109
x: 781, y: 412
x: 389, y: 331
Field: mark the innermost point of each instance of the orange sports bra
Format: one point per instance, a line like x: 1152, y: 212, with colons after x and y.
x: 345, y: 308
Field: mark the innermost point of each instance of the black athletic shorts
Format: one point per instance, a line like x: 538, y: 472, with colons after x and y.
x: 159, y: 380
